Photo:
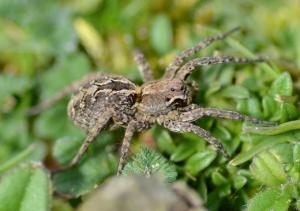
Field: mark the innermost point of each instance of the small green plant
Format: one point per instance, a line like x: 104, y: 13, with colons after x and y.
x: 147, y: 163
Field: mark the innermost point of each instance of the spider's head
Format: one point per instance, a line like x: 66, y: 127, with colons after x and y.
x: 160, y: 97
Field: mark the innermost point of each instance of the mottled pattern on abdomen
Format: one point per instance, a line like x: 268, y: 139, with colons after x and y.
x: 108, y: 94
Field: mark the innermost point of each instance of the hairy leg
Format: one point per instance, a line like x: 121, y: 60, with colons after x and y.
x: 183, y: 127
x: 143, y: 66
x: 196, y: 112
x: 188, y: 68
x: 172, y: 68
x: 92, y: 134
x: 130, y: 130
x: 63, y: 93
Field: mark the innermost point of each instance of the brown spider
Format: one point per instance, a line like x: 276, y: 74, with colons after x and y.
x: 105, y: 100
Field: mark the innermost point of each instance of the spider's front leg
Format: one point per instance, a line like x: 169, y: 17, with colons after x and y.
x: 196, y: 112
x: 130, y: 130
x: 188, y: 68
x: 143, y: 66
x: 179, y: 60
x: 183, y: 127
x: 91, y: 136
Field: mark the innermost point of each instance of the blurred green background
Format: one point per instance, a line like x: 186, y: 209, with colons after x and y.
x: 46, y: 44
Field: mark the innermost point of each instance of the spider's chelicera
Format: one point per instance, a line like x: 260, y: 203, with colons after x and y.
x: 103, y: 100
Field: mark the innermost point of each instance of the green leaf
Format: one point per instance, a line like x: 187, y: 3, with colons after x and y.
x: 200, y: 161
x: 239, y: 182
x: 63, y: 73
x: 288, y: 111
x: 48, y: 34
x: 282, y: 85
x: 54, y: 122
x: 271, y: 199
x: 218, y: 179
x: 269, y: 106
x: 20, y: 85
x: 85, y: 176
x: 250, y: 106
x: 34, y: 152
x: 267, y: 142
x: 236, y: 92
x: 66, y: 148
x: 183, y: 151
x: 268, y: 169
x: 296, y: 156
x: 161, y: 34
x: 26, y: 189
x: 147, y: 162
x: 164, y: 141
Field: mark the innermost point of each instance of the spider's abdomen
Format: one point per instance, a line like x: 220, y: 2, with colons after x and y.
x: 106, y: 94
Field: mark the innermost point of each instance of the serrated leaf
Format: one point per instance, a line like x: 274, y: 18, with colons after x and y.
x: 268, y: 169
x: 200, y: 161
x: 272, y: 199
x: 26, y: 189
x: 282, y: 85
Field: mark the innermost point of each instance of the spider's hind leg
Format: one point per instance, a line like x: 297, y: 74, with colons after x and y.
x: 130, y: 130
x: 91, y: 136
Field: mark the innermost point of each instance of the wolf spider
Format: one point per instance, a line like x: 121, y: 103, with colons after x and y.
x: 103, y: 100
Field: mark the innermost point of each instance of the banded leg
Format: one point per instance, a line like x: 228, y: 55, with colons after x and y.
x: 187, y: 69
x: 91, y: 136
x: 63, y: 93
x: 198, y: 112
x: 130, y: 130
x: 172, y: 68
x: 183, y: 127
x: 143, y: 66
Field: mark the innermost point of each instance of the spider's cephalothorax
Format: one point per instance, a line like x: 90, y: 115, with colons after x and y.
x: 104, y: 100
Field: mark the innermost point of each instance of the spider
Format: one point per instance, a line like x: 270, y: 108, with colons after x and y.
x: 103, y: 101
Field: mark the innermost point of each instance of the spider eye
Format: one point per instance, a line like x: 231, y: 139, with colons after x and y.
x: 168, y: 99
x: 181, y: 88
x: 172, y: 89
